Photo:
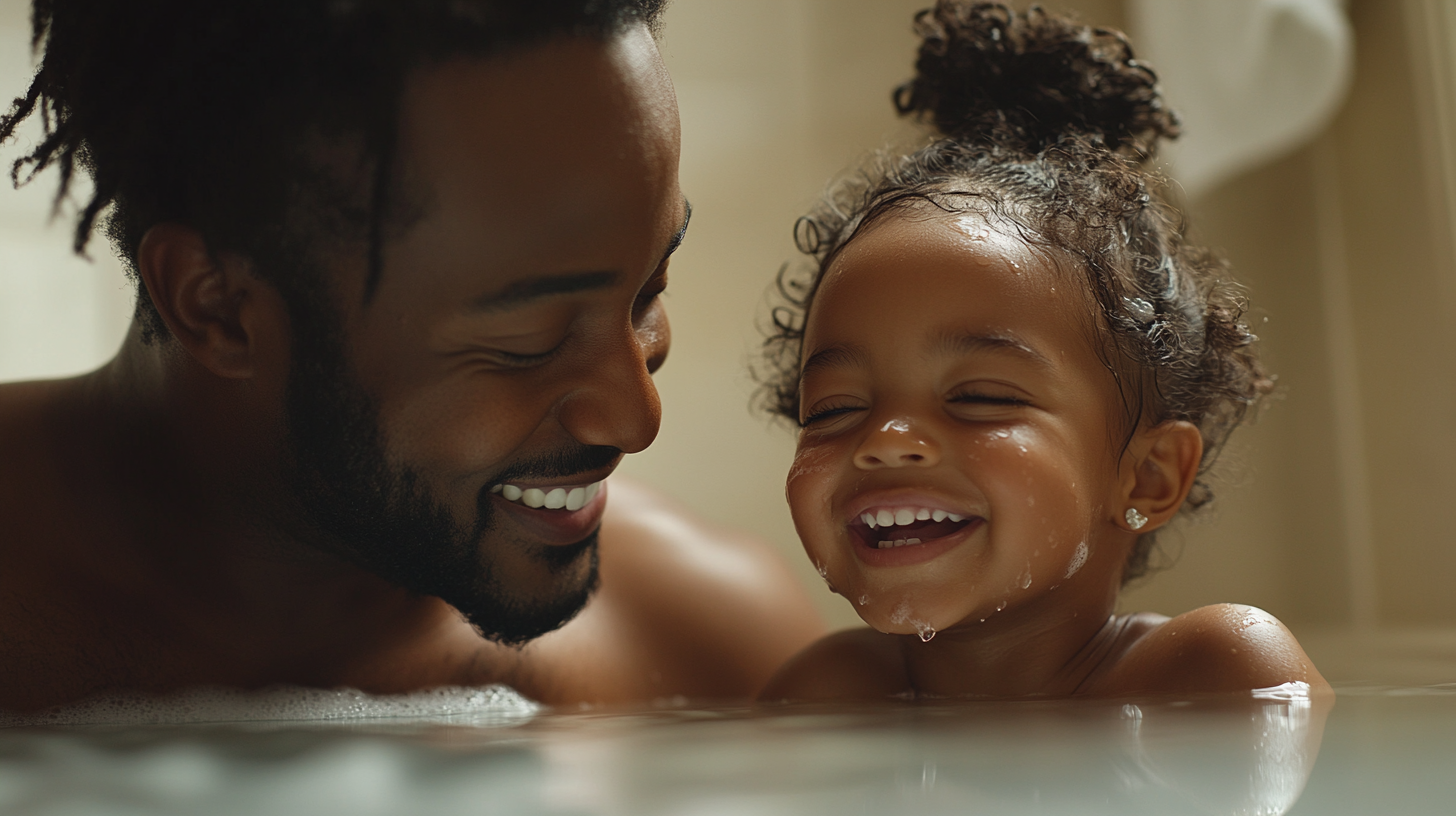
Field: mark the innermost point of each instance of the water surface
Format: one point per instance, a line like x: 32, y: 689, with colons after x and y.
x: 1378, y: 751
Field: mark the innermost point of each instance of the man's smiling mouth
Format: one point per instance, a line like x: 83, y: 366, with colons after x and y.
x: 567, y: 498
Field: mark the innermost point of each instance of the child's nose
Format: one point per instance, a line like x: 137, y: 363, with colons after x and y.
x: 896, y: 444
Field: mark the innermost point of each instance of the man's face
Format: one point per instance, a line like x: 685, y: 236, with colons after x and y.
x: 510, y: 344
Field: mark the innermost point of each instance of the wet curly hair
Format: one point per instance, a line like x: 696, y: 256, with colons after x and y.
x: 1048, y: 126
x: 210, y: 113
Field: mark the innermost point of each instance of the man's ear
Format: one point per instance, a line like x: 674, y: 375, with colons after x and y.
x: 208, y: 301
x: 1161, y: 467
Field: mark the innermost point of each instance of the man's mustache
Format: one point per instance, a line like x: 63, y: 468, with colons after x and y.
x: 561, y: 464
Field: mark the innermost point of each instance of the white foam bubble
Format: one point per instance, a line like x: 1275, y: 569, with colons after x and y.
x: 1079, y: 557
x: 473, y: 705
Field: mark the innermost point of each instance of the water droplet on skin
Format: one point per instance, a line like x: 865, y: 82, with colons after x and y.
x: 864, y: 599
x: 925, y: 630
x: 901, y: 613
x: 1030, y: 501
x: 1000, y: 606
x: 1026, y: 579
x: 823, y: 573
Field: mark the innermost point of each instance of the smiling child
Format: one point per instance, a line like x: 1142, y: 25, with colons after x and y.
x: 1009, y: 370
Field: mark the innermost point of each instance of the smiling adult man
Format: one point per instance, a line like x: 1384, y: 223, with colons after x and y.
x: 399, y: 270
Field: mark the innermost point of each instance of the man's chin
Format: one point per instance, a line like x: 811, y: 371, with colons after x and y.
x: 508, y: 616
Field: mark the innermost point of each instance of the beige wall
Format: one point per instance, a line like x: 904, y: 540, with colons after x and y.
x: 59, y: 314
x: 1345, y: 510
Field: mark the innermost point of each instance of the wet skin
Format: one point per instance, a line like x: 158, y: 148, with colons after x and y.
x: 952, y: 371
x: 148, y: 538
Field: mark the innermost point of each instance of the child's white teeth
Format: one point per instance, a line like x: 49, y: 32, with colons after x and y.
x: 902, y: 516
x: 557, y: 498
x: 899, y: 542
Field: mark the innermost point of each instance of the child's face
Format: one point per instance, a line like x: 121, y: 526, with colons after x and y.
x: 950, y: 373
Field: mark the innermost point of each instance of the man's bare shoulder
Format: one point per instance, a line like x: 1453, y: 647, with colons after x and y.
x: 23, y: 413
x: 850, y: 665
x: 684, y: 606
x: 1217, y: 648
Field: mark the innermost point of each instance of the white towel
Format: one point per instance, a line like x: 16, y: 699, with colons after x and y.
x: 1252, y: 79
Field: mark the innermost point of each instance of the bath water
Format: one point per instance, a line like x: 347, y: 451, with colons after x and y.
x: 1379, y: 750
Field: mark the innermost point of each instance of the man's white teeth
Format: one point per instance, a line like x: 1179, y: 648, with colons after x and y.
x: 576, y: 498
x: 902, y: 516
x: 557, y: 498
x: 899, y: 542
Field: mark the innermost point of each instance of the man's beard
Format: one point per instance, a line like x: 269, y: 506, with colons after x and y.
x: 385, y: 518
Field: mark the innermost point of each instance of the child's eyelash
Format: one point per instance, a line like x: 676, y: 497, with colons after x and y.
x: 987, y: 399
x: 825, y: 413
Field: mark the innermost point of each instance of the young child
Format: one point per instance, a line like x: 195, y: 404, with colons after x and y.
x: 1009, y: 371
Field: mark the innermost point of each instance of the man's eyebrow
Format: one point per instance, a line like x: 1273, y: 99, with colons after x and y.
x: 525, y: 291
x: 835, y: 357
x: 955, y: 343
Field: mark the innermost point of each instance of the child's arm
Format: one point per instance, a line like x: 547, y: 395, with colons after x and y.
x: 851, y: 665
x: 1218, y: 648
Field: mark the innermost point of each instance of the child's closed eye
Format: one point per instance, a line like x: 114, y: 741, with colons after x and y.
x: 983, y: 404
x: 824, y: 413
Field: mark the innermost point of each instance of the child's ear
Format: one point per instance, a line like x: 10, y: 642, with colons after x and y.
x: 1159, y: 470
x: 208, y: 303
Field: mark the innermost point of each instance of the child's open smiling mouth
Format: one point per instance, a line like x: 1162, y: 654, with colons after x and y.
x: 905, y: 534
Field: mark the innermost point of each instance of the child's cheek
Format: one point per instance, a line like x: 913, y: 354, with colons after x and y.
x: 1040, y: 505
x: 809, y: 489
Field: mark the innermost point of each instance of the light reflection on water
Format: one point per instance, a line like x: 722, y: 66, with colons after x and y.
x: 1204, y: 756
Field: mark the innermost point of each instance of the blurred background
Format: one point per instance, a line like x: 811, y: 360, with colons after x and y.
x: 1320, y: 157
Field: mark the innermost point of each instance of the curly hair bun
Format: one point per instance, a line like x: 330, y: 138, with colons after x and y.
x: 988, y: 75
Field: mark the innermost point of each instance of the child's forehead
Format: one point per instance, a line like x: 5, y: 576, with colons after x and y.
x: 930, y: 271
x: 965, y: 240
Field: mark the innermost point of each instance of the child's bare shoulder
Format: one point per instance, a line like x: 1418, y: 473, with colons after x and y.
x: 1217, y: 648
x: 853, y: 664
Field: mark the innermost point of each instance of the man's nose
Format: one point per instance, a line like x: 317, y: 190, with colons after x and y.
x: 896, y: 443
x: 615, y: 402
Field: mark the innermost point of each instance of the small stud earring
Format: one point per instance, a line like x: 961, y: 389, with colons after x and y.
x: 1135, y: 519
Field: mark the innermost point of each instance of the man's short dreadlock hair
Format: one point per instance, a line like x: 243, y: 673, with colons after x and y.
x: 210, y: 113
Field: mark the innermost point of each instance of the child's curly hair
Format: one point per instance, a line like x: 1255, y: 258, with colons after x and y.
x: 1047, y: 126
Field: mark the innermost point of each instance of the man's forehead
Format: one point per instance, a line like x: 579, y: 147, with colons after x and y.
x: 541, y: 138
